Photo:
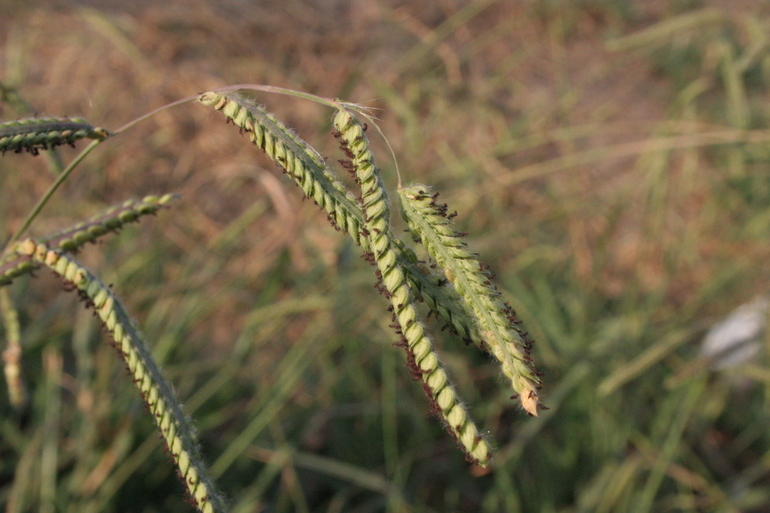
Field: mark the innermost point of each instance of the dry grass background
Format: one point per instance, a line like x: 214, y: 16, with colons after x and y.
x: 609, y: 159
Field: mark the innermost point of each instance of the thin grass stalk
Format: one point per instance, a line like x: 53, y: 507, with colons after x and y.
x: 52, y: 418
x: 155, y: 390
x: 53, y: 188
x: 498, y: 324
x: 422, y: 357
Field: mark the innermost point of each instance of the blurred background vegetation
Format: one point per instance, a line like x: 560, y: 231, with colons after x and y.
x: 609, y: 158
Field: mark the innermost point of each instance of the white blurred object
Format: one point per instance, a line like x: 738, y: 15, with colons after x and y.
x: 738, y: 338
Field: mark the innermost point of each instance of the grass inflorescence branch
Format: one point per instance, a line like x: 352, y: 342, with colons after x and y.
x: 498, y: 326
x: 113, y: 219
x: 393, y: 284
x: 297, y: 158
x: 155, y: 390
x: 35, y: 134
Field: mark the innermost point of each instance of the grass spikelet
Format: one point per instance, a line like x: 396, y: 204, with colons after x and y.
x: 301, y: 162
x: 497, y: 323
x: 420, y: 352
x: 155, y: 390
x: 113, y: 219
x: 35, y: 134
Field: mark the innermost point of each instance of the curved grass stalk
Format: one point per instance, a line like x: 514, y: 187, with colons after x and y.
x: 421, y: 355
x: 497, y: 322
x: 300, y: 161
x: 52, y: 189
x: 152, y: 113
x: 155, y: 390
x: 111, y: 220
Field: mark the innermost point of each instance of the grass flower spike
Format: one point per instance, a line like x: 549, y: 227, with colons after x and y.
x: 35, y: 134
x: 156, y: 391
x: 497, y: 323
x: 300, y: 161
x: 111, y: 220
x: 422, y: 357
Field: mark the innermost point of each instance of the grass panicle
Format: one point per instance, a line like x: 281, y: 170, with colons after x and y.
x: 155, y: 390
x: 401, y: 277
x: 35, y: 134
x: 309, y: 171
x: 422, y: 357
x: 368, y: 224
x: 113, y: 219
x: 497, y: 323
x: 613, y: 156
